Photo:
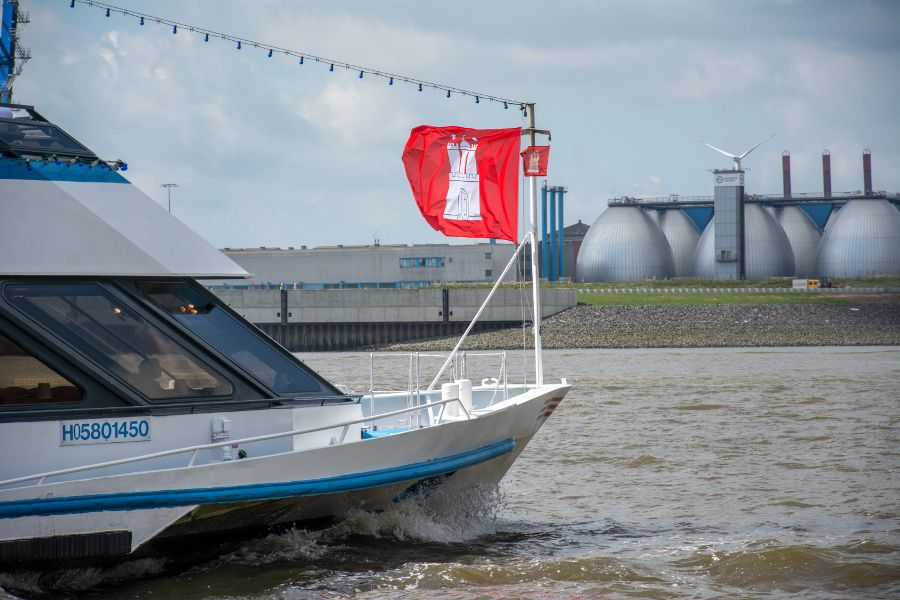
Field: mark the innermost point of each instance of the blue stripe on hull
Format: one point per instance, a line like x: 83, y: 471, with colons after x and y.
x: 258, y: 491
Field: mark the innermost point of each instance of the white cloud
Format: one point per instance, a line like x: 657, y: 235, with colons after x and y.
x: 269, y: 152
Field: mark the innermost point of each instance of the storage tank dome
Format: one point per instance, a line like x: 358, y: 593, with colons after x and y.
x: 863, y: 239
x: 803, y: 235
x: 768, y: 250
x: 624, y: 244
x: 682, y: 236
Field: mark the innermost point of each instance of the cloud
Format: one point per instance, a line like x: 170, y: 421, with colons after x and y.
x: 269, y: 152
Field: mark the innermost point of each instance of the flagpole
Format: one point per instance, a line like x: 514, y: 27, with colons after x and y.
x: 535, y: 273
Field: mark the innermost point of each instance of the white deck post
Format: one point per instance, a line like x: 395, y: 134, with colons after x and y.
x: 535, y: 273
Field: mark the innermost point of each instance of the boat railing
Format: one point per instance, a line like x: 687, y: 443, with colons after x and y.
x: 195, y: 450
x: 414, y: 391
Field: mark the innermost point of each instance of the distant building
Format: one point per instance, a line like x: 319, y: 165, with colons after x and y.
x: 371, y: 266
x: 573, y: 236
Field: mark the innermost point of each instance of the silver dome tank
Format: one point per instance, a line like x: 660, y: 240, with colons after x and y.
x: 682, y: 236
x: 862, y: 240
x: 624, y: 244
x: 768, y: 250
x: 803, y: 235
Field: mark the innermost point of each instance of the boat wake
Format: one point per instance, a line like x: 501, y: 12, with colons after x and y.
x: 436, y: 517
x: 439, y: 517
x: 443, y: 517
x: 51, y: 583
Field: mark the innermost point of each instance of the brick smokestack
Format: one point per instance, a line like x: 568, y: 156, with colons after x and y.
x: 867, y: 172
x: 826, y: 173
x: 786, y: 172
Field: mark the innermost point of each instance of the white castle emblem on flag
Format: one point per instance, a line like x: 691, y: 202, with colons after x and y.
x: 464, y: 194
x: 534, y: 165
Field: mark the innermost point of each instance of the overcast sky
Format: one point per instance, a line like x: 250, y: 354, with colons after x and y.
x: 267, y: 152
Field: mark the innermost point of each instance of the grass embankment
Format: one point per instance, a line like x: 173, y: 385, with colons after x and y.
x: 731, y: 297
x: 772, y: 282
x: 671, y: 298
x: 727, y: 296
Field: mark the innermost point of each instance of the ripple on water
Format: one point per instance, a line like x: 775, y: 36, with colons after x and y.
x: 792, y: 568
x: 643, y: 460
x: 812, y: 400
x: 585, y: 569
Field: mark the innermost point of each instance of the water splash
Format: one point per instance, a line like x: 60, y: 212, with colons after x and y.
x: 442, y: 516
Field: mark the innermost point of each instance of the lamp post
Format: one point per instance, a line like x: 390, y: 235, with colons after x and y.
x: 169, y: 187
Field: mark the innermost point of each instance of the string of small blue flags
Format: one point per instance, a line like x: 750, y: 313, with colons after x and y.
x: 302, y: 58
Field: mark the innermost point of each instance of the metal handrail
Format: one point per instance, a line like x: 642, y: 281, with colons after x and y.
x: 413, y: 388
x: 259, y: 438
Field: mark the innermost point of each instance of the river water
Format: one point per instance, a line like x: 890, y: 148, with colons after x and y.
x: 697, y: 473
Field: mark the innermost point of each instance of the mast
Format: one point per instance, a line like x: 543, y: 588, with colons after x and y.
x: 535, y: 272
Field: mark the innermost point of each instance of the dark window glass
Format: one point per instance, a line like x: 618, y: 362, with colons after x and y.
x: 230, y: 336
x: 26, y: 380
x: 23, y: 135
x: 428, y: 261
x: 99, y: 325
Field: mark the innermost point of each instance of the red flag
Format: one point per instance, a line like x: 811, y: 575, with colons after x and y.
x: 534, y: 161
x: 466, y: 181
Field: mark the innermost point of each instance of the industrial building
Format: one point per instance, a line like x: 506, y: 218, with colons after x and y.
x: 371, y: 266
x: 853, y: 234
x: 378, y: 265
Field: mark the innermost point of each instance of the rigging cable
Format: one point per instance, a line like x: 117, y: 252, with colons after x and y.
x: 303, y: 57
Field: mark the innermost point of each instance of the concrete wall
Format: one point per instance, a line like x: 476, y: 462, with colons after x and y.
x: 311, y: 320
x: 390, y: 305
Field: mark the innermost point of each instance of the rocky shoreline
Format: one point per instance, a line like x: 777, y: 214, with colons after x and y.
x: 697, y: 326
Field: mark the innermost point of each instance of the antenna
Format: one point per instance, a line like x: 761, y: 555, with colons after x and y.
x: 737, y: 157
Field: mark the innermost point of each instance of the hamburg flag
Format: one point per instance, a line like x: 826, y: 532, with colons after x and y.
x: 466, y: 181
x: 534, y: 161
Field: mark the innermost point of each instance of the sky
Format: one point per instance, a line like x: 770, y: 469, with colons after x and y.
x: 270, y: 153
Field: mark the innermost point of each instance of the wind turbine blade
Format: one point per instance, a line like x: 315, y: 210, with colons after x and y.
x: 719, y: 150
x: 758, y: 145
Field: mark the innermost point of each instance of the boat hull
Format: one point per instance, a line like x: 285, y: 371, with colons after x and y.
x: 114, y: 517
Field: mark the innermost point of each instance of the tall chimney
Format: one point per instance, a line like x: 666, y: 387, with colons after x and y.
x: 786, y: 172
x: 867, y: 171
x: 826, y: 172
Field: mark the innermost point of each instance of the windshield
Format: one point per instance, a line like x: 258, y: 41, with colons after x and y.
x: 197, y: 311
x: 23, y: 136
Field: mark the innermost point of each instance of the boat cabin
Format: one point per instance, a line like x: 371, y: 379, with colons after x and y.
x: 101, y: 313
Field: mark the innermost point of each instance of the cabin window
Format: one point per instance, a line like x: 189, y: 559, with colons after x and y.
x: 23, y: 135
x: 26, y: 380
x: 100, y: 326
x: 195, y: 310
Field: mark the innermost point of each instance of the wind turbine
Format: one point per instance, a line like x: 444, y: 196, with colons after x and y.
x: 738, y: 157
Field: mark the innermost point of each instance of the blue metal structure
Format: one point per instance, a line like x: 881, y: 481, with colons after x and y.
x: 561, y: 237
x: 545, y: 237
x: 12, y: 56
x: 819, y: 213
x: 552, y: 249
x: 699, y: 215
x: 7, y: 51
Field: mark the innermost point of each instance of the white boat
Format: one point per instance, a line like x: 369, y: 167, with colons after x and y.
x: 136, y: 409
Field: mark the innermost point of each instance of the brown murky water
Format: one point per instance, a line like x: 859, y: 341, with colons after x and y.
x: 665, y: 474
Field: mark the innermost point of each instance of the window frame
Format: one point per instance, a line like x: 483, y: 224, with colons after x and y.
x: 11, y: 331
x: 172, y: 333
x: 131, y: 287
